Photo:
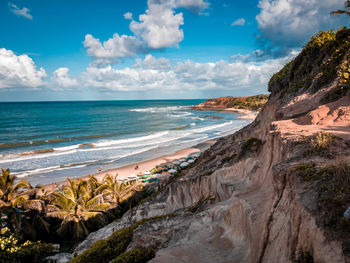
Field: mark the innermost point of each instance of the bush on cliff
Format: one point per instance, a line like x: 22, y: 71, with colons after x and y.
x: 137, y: 255
x: 13, y: 248
x: 318, y: 64
x: 112, y: 247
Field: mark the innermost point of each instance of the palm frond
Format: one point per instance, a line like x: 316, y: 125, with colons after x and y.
x: 19, y: 200
x: 339, y: 12
x: 22, y: 184
x: 102, y: 206
x: 58, y: 214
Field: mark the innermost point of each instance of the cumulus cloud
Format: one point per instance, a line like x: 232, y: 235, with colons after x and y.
x: 128, y: 15
x: 20, y: 11
x: 158, y: 28
x: 239, y: 22
x: 61, y: 78
x: 159, y: 74
x: 113, y: 49
x: 19, y: 71
x: 286, y: 24
x: 151, y: 62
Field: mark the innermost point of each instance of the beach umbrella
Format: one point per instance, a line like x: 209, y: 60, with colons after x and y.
x: 172, y: 171
x: 184, y: 164
x: 153, y: 180
x: 176, y: 162
x: 132, y: 178
x: 190, y: 161
x: 147, y: 173
x: 182, y: 160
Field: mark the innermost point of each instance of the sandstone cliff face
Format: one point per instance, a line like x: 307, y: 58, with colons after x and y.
x: 242, y: 201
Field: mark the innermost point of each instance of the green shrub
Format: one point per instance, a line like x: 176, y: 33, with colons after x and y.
x: 320, y: 144
x: 14, y: 249
x: 306, y: 170
x: 318, y: 64
x: 253, y: 144
x: 112, y: 247
x: 137, y: 255
x: 332, y: 184
x: 249, y: 103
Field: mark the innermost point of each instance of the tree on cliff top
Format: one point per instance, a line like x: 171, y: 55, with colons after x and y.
x: 346, y: 11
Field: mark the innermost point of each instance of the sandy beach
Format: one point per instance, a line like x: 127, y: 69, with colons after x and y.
x: 244, y: 114
x: 147, y: 165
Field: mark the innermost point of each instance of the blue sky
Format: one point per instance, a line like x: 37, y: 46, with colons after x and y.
x: 162, y: 49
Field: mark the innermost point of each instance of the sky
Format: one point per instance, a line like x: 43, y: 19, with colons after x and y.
x: 155, y: 49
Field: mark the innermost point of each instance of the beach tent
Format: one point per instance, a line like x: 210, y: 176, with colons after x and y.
x: 172, y: 171
x: 184, y: 164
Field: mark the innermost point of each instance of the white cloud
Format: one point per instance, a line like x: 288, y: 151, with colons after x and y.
x: 19, y: 71
x: 287, y: 24
x: 113, y: 49
x: 128, y: 16
x: 196, y: 6
x: 239, y: 22
x: 61, y: 78
x: 151, y: 62
x: 20, y: 12
x: 158, y: 28
x: 160, y: 75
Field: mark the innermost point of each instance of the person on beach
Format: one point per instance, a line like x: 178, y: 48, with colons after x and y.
x: 136, y: 167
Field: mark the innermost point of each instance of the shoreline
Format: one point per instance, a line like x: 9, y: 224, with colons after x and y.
x: 244, y: 114
x: 127, y: 170
x: 146, y: 165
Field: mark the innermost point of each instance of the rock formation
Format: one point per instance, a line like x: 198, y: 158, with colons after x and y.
x: 263, y: 194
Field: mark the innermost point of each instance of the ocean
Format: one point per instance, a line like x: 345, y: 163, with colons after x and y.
x: 46, y: 142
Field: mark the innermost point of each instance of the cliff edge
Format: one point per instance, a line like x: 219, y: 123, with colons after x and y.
x: 275, y: 191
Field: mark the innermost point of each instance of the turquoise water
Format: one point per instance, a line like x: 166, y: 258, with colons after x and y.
x: 48, y: 141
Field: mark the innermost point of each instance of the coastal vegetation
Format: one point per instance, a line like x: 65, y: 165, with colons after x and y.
x: 29, y: 215
x: 115, y: 245
x: 332, y: 184
x: 323, y: 59
x: 253, y: 103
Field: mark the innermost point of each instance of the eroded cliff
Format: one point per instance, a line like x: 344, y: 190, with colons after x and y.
x: 274, y: 191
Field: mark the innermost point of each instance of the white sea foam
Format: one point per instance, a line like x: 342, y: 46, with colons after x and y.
x: 66, y: 148
x: 208, y: 128
x: 130, y: 140
x: 159, y: 109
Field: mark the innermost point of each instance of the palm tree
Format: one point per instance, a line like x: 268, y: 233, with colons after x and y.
x: 75, y: 206
x: 9, y: 196
x: 346, y: 11
x: 116, y: 191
